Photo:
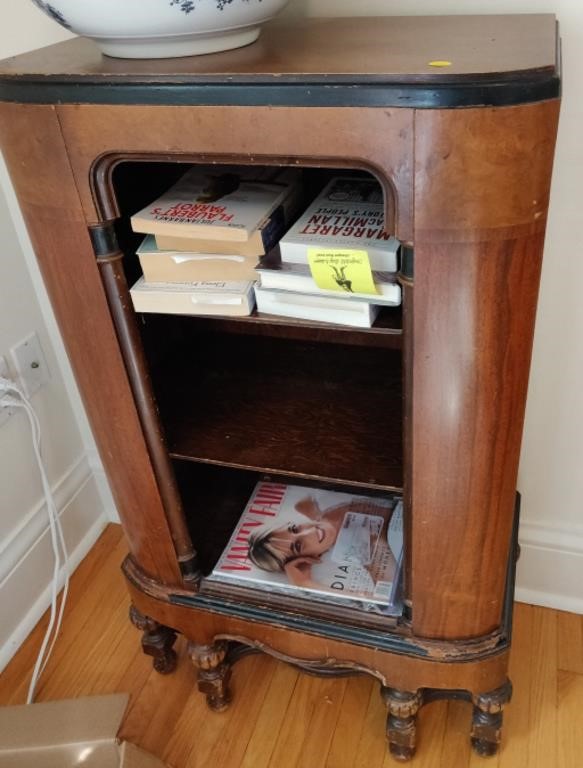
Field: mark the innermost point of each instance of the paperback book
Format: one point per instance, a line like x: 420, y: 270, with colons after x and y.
x: 217, y: 204
x: 317, y: 544
x: 342, y: 310
x: 200, y: 298
x: 275, y: 274
x: 348, y: 214
x: 182, y: 267
x: 266, y: 236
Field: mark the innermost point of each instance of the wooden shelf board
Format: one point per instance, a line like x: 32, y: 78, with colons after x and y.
x: 327, y: 412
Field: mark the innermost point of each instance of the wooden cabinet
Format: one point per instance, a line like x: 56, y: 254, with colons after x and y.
x: 189, y: 412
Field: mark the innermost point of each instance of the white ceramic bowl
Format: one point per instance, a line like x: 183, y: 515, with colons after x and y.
x: 154, y: 29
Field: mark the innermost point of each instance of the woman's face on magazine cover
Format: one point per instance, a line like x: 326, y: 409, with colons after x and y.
x: 310, y: 539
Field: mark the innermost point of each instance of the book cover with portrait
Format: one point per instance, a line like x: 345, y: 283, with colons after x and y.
x: 319, y: 543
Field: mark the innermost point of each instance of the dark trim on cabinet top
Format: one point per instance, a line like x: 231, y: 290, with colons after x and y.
x: 351, y: 93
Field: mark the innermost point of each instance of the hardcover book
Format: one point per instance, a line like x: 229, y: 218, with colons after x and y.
x: 342, y: 310
x: 349, y: 214
x: 201, y: 298
x: 317, y: 544
x: 220, y: 203
x: 275, y: 274
x: 182, y: 267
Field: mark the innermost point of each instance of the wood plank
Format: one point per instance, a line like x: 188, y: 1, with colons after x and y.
x: 570, y: 733
x: 288, y: 749
x: 229, y: 750
x: 455, y: 745
x: 570, y: 628
x: 486, y: 45
x: 542, y: 738
x: 514, y: 751
x: 316, y: 744
x: 348, y: 729
x: 270, y: 718
x: 372, y: 745
x: 352, y: 400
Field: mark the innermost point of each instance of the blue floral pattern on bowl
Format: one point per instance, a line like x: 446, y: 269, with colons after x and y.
x: 145, y: 29
x: 189, y: 5
x: 52, y: 12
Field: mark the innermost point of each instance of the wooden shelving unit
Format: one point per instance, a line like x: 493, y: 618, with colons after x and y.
x: 245, y: 402
x: 190, y: 412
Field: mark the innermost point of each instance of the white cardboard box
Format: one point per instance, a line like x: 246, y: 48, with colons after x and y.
x: 69, y: 733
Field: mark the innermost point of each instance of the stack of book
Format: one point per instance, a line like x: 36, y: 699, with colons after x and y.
x: 204, y: 236
x: 317, y: 545
x: 344, y: 222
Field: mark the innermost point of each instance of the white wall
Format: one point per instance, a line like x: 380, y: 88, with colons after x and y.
x: 73, y: 468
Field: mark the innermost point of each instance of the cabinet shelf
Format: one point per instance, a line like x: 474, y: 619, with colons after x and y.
x: 245, y: 402
x: 214, y: 498
x: 386, y: 332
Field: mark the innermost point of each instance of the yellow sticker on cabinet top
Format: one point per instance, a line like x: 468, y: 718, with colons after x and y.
x: 341, y: 269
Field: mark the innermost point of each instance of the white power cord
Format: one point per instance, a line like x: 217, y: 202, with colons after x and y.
x: 12, y: 395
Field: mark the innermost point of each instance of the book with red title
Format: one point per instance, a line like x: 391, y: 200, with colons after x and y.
x: 349, y: 214
x: 218, y: 203
x: 265, y: 237
x: 318, y: 544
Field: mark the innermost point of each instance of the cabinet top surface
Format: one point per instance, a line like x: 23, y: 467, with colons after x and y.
x: 516, y: 53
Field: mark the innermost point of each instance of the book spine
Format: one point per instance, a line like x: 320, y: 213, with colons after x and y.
x: 273, y: 231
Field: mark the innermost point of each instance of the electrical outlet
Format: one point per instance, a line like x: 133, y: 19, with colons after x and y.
x: 30, y: 364
x: 5, y: 411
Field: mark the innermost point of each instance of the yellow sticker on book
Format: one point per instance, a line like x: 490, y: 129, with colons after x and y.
x: 341, y: 269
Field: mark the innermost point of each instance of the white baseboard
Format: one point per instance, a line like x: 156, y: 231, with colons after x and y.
x: 26, y: 558
x: 550, y: 568
x: 103, y: 487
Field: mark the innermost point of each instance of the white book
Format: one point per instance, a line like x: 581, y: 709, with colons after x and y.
x: 349, y: 214
x: 217, y: 203
x: 324, y: 309
x: 317, y: 544
x: 201, y: 298
x: 277, y: 275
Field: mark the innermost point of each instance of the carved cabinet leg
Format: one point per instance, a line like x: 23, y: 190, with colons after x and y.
x: 487, y: 719
x: 403, y: 707
x: 157, y: 641
x: 214, y: 673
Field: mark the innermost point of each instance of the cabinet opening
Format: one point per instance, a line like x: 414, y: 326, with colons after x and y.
x: 310, y: 410
x: 135, y: 184
x: 214, y: 499
x: 240, y: 399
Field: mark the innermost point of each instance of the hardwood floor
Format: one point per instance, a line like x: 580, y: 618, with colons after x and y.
x: 282, y: 719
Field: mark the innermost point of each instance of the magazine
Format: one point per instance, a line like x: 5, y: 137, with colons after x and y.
x: 319, y: 544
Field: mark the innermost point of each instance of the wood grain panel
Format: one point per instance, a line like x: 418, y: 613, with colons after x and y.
x: 317, y: 136
x: 473, y: 341
x: 482, y: 185
x: 39, y: 168
x: 399, y: 671
x: 483, y: 174
x: 500, y: 46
